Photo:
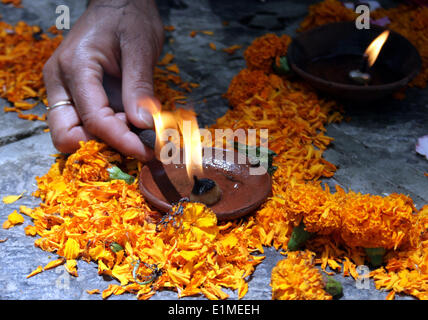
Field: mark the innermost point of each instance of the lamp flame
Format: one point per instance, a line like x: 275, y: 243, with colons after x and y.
x: 375, y: 46
x: 191, y: 141
x: 185, y: 121
x: 162, y: 120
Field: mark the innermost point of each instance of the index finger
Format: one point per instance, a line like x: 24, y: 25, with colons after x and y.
x: 99, y: 119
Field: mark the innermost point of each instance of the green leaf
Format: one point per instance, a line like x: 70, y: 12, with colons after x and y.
x: 298, y: 237
x: 334, y: 287
x: 115, y: 247
x: 243, y: 148
x: 117, y: 174
x: 375, y: 255
x: 283, y: 67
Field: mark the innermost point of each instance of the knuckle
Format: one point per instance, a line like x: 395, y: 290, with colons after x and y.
x: 48, y: 67
x: 65, y: 61
x: 64, y: 142
x: 142, y: 85
x: 88, y: 119
x: 91, y: 122
x: 49, y: 70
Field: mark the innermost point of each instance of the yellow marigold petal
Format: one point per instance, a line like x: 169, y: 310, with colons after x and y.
x: 30, y: 230
x: 390, y: 296
x: 173, y: 68
x: 71, y: 249
x: 71, y: 267
x: 12, y: 198
x: 7, y: 224
x: 122, y: 273
x: 26, y: 210
x: 36, y: 271
x: 242, y: 290
x: 13, y: 219
x: 168, y: 57
x: 54, y: 264
x: 93, y: 291
x: 179, y: 278
x: 102, y: 268
x: 112, y: 289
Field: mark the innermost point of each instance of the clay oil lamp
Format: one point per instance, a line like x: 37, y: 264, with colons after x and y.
x: 351, y: 64
x: 219, y: 178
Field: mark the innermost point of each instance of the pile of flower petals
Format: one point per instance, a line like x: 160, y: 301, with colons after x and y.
x: 407, y: 271
x: 83, y: 214
x: 24, y: 49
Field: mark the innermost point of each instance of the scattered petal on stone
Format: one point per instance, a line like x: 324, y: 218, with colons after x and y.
x: 54, y: 264
x: 71, y: 267
x: 37, y: 271
x: 422, y: 146
x: 13, y: 219
x: 12, y: 198
x: 94, y: 291
x: 173, y: 68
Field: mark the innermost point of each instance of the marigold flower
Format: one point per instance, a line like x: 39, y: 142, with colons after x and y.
x: 261, y: 54
x: 296, y: 278
x: 371, y: 221
x: 327, y: 11
x: 246, y: 84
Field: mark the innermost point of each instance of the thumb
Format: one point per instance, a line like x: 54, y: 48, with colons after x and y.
x: 137, y: 86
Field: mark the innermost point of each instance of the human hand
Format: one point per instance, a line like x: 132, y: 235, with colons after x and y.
x: 119, y: 38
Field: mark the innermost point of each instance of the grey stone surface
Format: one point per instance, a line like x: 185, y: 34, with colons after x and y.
x: 374, y: 151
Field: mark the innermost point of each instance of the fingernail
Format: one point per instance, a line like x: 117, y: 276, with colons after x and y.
x: 145, y: 117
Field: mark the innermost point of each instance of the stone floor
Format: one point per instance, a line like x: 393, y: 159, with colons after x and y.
x: 374, y: 151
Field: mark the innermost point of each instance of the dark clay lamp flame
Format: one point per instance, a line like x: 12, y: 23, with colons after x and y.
x: 362, y: 76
